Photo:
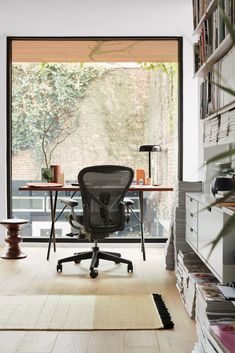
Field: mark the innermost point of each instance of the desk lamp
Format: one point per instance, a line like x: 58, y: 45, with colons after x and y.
x: 149, y: 149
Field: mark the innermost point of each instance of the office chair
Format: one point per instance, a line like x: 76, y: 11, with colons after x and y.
x: 102, y: 189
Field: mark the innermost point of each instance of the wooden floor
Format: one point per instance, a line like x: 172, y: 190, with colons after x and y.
x: 35, y: 275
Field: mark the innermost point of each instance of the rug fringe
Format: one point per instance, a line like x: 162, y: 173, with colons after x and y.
x: 163, y: 312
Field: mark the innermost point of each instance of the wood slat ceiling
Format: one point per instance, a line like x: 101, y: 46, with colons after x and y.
x: 77, y: 50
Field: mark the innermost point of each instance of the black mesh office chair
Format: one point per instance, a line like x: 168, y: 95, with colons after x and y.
x: 102, y: 189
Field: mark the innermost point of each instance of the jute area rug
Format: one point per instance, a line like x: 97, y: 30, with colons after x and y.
x: 79, y: 312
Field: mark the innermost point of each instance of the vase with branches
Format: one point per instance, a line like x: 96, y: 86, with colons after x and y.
x: 45, y: 105
x: 54, y: 131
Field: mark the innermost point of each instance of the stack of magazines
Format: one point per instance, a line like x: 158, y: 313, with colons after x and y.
x: 223, y: 336
x: 194, y: 278
x: 189, y: 266
x: 212, y: 309
x: 169, y: 251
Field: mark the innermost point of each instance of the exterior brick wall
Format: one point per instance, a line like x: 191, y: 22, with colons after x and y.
x: 123, y: 109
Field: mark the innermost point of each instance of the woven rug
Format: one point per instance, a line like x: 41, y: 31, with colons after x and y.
x: 83, y: 312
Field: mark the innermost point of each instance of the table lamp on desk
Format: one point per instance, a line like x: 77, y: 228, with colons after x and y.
x: 149, y: 149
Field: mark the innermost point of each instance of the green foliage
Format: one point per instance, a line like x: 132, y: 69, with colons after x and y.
x: 121, y: 105
x: 171, y: 70
x: 45, y: 103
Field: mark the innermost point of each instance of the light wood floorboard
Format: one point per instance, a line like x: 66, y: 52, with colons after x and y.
x: 36, y: 276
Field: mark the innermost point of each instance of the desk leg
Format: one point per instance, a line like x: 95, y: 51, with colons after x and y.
x: 141, y: 200
x: 52, y: 232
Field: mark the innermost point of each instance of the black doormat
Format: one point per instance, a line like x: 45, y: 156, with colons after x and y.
x: 163, y: 312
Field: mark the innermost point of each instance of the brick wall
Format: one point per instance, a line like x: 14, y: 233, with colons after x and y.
x: 123, y: 109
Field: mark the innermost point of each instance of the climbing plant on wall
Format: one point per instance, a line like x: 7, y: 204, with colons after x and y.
x: 170, y: 70
x: 45, y: 103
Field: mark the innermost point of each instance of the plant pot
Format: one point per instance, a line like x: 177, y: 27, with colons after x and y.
x: 47, y: 174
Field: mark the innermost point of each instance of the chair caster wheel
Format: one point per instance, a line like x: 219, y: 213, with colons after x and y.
x: 59, y: 268
x: 93, y: 274
x: 77, y: 261
x: 129, y: 268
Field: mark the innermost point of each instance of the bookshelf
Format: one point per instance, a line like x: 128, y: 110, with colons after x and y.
x: 209, y: 7
x: 214, y: 57
x: 218, y: 53
x: 197, y: 273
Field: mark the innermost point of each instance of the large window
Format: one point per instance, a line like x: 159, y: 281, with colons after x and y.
x: 96, y: 109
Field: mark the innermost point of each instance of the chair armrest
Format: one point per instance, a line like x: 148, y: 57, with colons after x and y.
x: 69, y: 202
x: 128, y: 202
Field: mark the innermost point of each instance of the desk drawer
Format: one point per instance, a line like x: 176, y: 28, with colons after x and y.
x: 191, y: 236
x: 210, y: 223
x: 191, y: 220
x: 191, y: 205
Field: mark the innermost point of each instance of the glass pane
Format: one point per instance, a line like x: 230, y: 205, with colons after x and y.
x: 77, y: 115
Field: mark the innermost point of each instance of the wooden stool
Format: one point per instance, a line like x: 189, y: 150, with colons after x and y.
x: 13, y: 238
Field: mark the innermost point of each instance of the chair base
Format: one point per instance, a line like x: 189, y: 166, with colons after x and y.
x: 95, y: 255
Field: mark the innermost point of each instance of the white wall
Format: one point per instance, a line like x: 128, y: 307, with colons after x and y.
x: 101, y: 18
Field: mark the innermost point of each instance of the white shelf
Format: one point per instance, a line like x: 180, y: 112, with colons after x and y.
x: 211, y: 8
x: 219, y: 52
x: 220, y: 111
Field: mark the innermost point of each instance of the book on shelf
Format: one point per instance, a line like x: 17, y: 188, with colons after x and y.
x: 212, y: 29
x: 212, y: 97
x: 199, y: 9
x: 221, y: 23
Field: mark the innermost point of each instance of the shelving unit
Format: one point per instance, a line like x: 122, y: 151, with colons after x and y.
x: 210, y: 9
x: 214, y: 63
x: 219, y: 52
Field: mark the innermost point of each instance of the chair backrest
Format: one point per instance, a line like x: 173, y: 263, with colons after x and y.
x: 103, y: 188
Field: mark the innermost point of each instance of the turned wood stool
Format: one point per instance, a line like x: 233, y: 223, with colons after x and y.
x: 13, y: 238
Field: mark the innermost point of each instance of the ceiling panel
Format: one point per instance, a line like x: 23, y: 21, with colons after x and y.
x: 77, y: 50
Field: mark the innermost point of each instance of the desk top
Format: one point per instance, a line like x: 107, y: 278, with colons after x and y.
x: 69, y: 187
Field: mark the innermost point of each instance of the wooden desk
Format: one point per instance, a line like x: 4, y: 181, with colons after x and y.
x: 53, y: 194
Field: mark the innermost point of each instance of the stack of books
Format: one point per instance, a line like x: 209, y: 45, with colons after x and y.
x: 223, y: 336
x: 224, y: 126
x: 190, y: 271
x: 211, y: 308
x: 210, y: 133
x: 169, y: 251
x: 194, y: 278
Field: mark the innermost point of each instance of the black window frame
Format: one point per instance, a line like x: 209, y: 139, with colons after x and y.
x: 9, y: 40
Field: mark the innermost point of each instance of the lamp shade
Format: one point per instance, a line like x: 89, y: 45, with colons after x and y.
x: 149, y: 148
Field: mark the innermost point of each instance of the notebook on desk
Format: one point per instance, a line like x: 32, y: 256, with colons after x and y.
x: 44, y: 185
